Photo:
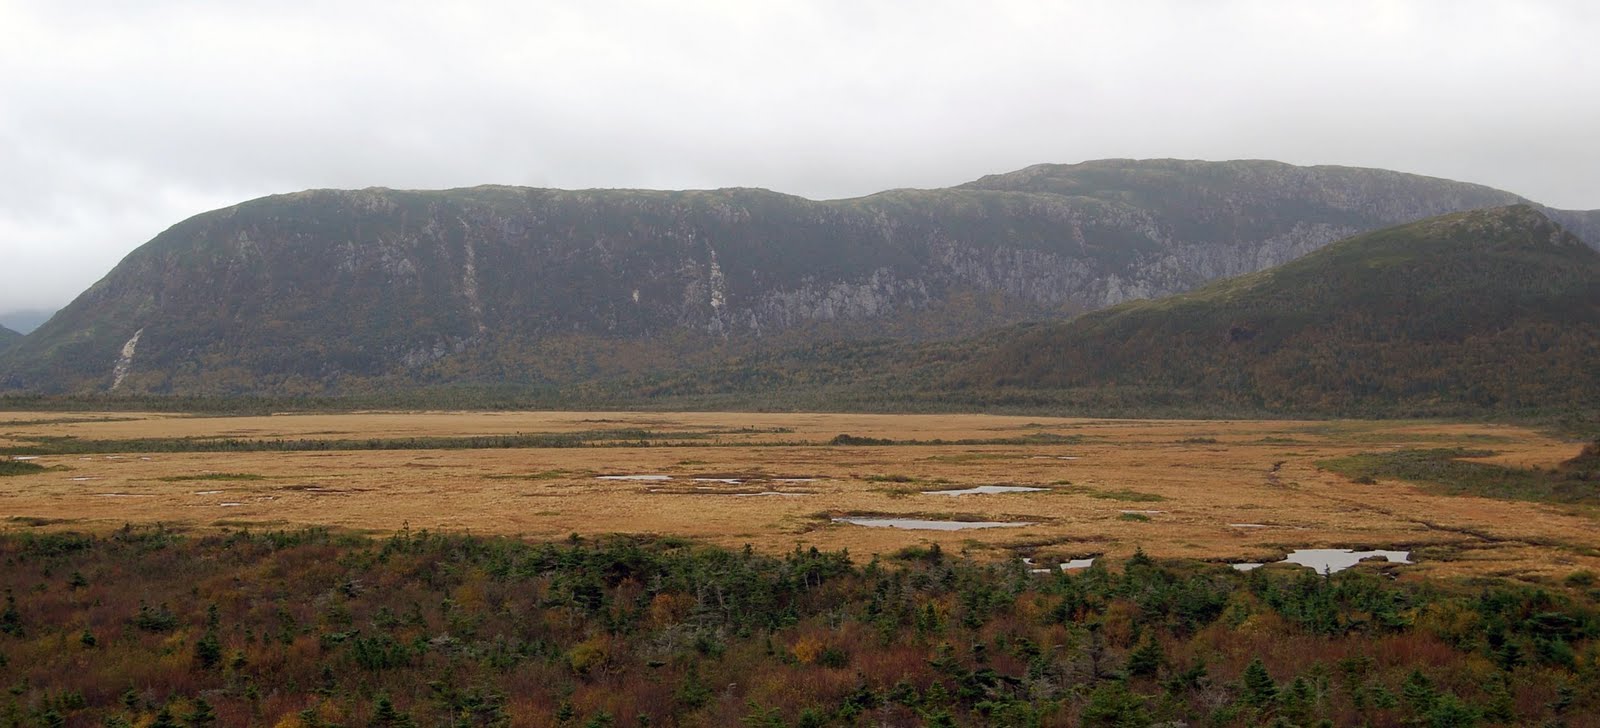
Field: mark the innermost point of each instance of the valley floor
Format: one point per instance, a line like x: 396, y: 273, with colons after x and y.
x: 1224, y: 491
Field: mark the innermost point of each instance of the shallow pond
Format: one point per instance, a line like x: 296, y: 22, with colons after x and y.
x: 1336, y: 560
x: 1330, y: 561
x: 919, y: 524
x: 1068, y: 565
x: 986, y: 490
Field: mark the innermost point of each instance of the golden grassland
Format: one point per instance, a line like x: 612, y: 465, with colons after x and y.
x: 1214, y: 490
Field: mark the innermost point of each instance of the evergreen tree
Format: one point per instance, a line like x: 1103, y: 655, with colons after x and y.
x: 208, y: 650
x: 1448, y: 711
x: 1419, y: 693
x: 11, y: 619
x: 1259, y: 689
x: 1147, y: 659
x: 385, y: 715
x: 202, y: 716
x: 1112, y: 705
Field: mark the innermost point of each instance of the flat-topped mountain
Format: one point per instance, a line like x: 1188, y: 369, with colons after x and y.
x: 331, y: 291
x: 1494, y: 308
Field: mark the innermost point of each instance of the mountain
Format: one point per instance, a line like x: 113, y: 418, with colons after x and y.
x: 1583, y: 223
x: 1487, y: 309
x: 26, y: 320
x: 8, y: 337
x: 332, y: 292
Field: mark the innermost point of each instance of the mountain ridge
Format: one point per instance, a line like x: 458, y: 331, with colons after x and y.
x: 327, y: 291
x: 1497, y: 308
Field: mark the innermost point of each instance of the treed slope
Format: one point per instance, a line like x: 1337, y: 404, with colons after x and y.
x: 333, y: 292
x: 1485, y: 309
x: 8, y: 337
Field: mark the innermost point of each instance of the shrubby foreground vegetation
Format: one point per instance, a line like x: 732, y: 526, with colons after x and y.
x: 148, y: 626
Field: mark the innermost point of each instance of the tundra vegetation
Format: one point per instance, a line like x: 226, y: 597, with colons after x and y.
x: 152, y: 626
x: 362, y: 577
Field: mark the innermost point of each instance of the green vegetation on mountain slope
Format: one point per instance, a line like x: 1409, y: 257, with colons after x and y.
x: 1476, y: 311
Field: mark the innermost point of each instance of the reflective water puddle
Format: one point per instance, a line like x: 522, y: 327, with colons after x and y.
x: 1336, y: 560
x: 986, y: 490
x: 1331, y: 561
x: 919, y: 524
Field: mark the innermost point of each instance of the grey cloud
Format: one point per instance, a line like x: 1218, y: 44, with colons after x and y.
x: 118, y: 119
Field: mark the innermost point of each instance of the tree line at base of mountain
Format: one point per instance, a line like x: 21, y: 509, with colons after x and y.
x: 150, y: 626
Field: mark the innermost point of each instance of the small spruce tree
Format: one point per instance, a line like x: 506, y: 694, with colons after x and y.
x: 1146, y: 660
x: 1259, y: 689
x: 202, y: 716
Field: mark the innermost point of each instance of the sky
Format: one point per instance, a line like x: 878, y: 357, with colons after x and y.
x: 119, y: 119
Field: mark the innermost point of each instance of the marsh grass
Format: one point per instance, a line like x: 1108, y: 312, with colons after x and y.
x: 1450, y: 471
x: 1127, y: 496
x: 542, y: 475
x: 19, y: 467
x: 211, y: 476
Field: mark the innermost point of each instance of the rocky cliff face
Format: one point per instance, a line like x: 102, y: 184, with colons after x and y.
x: 328, y: 290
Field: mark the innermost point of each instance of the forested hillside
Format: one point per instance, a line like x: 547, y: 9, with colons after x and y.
x: 1485, y: 310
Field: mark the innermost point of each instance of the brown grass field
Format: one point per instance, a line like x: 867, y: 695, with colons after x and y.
x: 1194, y: 479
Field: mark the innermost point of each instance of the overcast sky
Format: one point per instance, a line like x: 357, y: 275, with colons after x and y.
x: 118, y: 119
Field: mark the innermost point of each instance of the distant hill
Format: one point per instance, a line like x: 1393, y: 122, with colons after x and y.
x: 8, y: 337
x: 1583, y: 223
x: 26, y: 320
x: 337, y: 292
x: 1489, y: 309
